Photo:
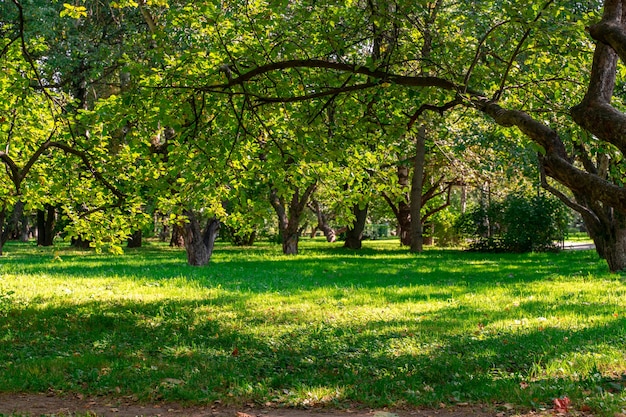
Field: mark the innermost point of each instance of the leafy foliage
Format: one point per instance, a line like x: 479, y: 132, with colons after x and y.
x: 518, y: 223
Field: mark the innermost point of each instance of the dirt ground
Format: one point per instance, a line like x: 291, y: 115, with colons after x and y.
x: 37, y: 405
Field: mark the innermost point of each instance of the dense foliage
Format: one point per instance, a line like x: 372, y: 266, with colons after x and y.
x: 208, y: 113
x: 518, y: 223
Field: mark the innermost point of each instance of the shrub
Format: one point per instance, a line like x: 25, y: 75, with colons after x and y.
x: 519, y: 223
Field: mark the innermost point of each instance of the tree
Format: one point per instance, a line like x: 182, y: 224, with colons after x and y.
x: 491, y: 77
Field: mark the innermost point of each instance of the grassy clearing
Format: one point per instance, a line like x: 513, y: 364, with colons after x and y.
x: 379, y: 327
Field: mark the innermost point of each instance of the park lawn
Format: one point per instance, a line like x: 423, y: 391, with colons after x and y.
x: 329, y: 327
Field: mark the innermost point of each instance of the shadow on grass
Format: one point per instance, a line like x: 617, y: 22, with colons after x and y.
x: 262, y: 269
x: 225, y: 346
x: 198, y: 351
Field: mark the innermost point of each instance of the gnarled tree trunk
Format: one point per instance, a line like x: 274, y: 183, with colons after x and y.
x: 177, y: 240
x: 199, y: 242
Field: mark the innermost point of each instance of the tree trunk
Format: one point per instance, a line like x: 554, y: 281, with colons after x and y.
x: 135, y: 240
x: 322, y: 222
x: 417, y: 185
x: 613, y: 249
x: 404, y: 223
x: 46, y: 220
x: 290, y: 240
x: 199, y: 243
x: 80, y: 243
x: 178, y: 239
x: 608, y: 231
x: 354, y: 234
x: 7, y: 228
x: 289, y: 216
x: 3, y: 215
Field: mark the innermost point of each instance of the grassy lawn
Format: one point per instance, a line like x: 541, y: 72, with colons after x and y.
x: 379, y: 327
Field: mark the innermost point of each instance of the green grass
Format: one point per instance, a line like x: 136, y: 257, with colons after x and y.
x: 379, y: 327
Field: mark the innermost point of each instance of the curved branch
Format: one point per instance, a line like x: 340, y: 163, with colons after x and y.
x: 439, y: 109
x: 85, y: 159
x: 565, y: 199
x: 556, y: 161
x: 407, y: 81
x: 14, y: 170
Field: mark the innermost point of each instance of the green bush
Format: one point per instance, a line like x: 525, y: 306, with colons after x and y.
x: 519, y: 223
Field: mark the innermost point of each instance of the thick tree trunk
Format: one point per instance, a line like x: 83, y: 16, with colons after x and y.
x: 600, y: 198
x: 290, y: 240
x: 199, y: 243
x: 608, y: 231
x: 417, y: 185
x: 404, y: 223
x: 135, y: 240
x: 46, y: 220
x: 613, y: 249
x: 354, y: 234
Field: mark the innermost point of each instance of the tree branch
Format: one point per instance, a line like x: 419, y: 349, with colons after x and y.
x: 408, y: 81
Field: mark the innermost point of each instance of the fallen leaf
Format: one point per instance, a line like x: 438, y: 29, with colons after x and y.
x: 235, y: 352
x: 561, y: 405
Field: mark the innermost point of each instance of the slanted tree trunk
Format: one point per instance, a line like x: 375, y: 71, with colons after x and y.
x: 199, y: 242
x: 46, y: 220
x: 289, y: 216
x: 135, y: 240
x: 354, y: 234
x: 417, y: 185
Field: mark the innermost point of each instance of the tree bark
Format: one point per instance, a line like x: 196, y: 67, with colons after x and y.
x: 46, y: 220
x: 289, y: 216
x: 417, y: 186
x: 322, y: 222
x: 3, y: 235
x: 135, y: 240
x: 199, y: 243
x: 354, y: 234
x: 8, y: 226
x: 178, y: 239
x: 607, y: 228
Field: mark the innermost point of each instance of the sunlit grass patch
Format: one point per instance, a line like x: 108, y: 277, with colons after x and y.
x: 379, y: 327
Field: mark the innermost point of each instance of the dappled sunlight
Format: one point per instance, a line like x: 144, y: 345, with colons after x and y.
x: 309, y: 330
